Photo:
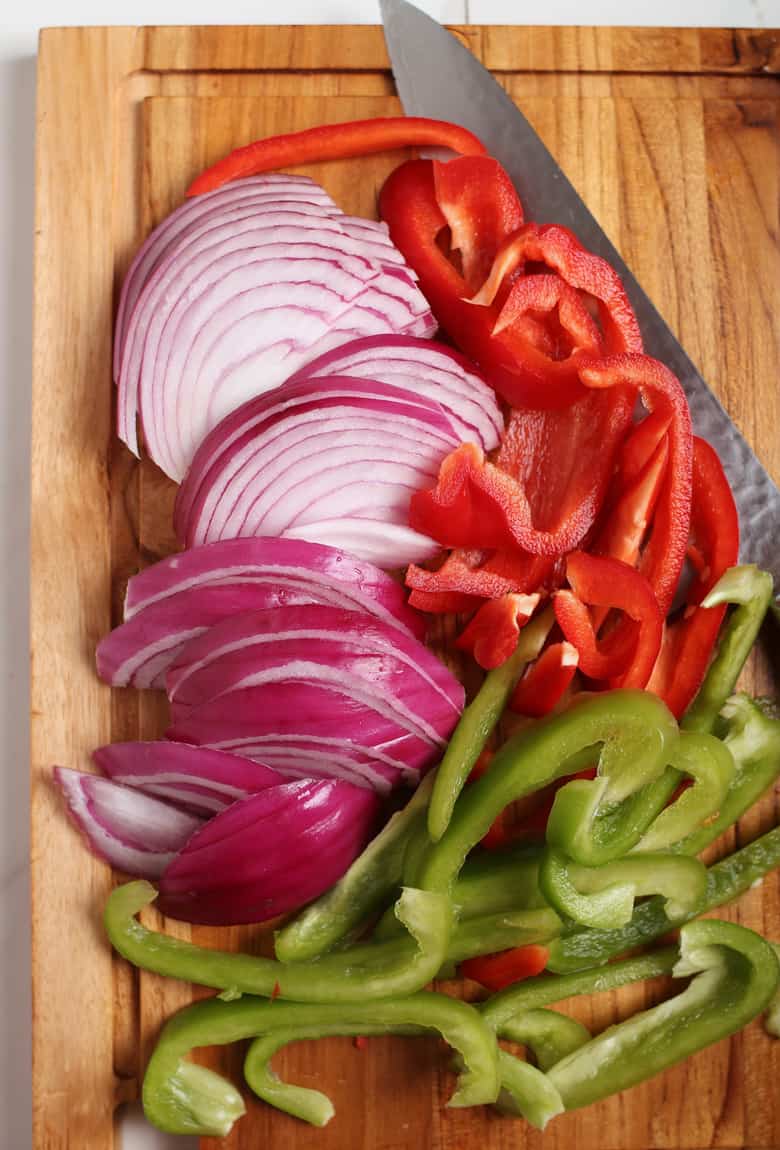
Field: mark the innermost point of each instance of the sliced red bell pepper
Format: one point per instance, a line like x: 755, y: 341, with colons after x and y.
x: 467, y: 576
x: 480, y: 205
x: 627, y: 655
x: 664, y: 554
x: 546, y: 681
x: 689, y: 641
x: 512, y: 359
x: 335, y: 142
x: 491, y: 636
x: 577, y: 270
x: 496, y: 971
x: 544, y: 491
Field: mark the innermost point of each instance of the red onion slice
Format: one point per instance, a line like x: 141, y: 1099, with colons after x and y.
x: 318, y: 452
x: 234, y: 562
x: 175, y: 228
x: 133, y: 832
x: 424, y: 368
x: 269, y: 854
x: 197, y: 778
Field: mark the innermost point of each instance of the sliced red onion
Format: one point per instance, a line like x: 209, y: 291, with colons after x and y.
x: 231, y: 301
x: 135, y: 833
x: 335, y: 678
x: 346, y: 581
x: 269, y: 854
x: 317, y: 452
x: 424, y: 368
x: 176, y: 228
x: 200, y: 779
x: 181, y: 596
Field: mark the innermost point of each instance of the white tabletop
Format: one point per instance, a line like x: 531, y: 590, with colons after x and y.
x: 18, y: 41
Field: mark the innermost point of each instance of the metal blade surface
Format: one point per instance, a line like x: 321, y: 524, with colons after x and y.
x: 437, y: 76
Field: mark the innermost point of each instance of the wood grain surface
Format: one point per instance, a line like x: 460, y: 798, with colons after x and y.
x: 672, y: 138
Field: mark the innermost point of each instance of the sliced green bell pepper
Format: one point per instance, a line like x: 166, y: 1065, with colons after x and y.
x: 478, y: 721
x: 603, y: 896
x: 368, y: 971
x: 736, y: 974
x: 750, y: 589
x: 550, y: 1036
x: 183, y: 1098
x: 579, y: 948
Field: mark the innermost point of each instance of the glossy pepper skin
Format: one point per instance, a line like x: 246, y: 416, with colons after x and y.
x: 714, y: 547
x: 735, y: 976
x: 496, y: 971
x: 371, y: 970
x: 334, y: 142
x: 582, y: 948
x: 183, y: 1098
x: 546, y: 681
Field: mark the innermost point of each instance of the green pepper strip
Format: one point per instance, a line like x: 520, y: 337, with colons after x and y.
x: 478, y: 721
x: 753, y: 738
x: 636, y: 733
x: 373, y: 877
x: 501, y: 1009
x: 548, y: 1034
x: 603, y: 897
x: 583, y: 947
x: 710, y: 764
x: 736, y: 976
x: 492, y: 882
x: 750, y: 589
x: 372, y: 970
x: 178, y: 1099
x: 489, y: 933
x: 526, y: 1092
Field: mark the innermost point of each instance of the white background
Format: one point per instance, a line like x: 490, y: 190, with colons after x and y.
x: 17, y: 126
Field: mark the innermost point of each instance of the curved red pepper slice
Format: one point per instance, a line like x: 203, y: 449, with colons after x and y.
x: 467, y: 576
x: 627, y: 655
x: 335, y: 142
x: 491, y: 636
x: 664, y: 555
x: 689, y: 641
x: 511, y: 359
x: 496, y: 971
x: 480, y: 205
x: 546, y: 681
x: 544, y: 491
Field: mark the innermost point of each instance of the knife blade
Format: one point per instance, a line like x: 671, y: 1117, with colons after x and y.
x: 437, y: 76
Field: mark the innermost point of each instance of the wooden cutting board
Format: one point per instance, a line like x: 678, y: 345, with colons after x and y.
x: 672, y: 138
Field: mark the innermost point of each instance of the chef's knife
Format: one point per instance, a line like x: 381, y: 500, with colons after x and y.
x: 437, y: 76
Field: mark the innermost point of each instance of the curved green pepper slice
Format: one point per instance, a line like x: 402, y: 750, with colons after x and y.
x: 603, y: 896
x: 372, y: 970
x: 550, y: 1036
x: 736, y: 974
x: 181, y: 1097
x: 580, y: 947
x: 750, y: 589
x: 636, y: 734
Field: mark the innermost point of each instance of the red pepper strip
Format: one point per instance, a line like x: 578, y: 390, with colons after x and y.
x: 409, y: 206
x: 496, y: 971
x: 491, y: 636
x: 335, y: 142
x: 545, y: 490
x: 442, y: 602
x: 466, y: 576
x: 546, y: 681
x: 689, y: 641
x: 664, y: 555
x: 626, y: 655
x: 641, y: 445
x: 480, y: 205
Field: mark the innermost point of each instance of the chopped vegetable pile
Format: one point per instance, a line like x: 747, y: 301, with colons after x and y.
x: 540, y: 484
